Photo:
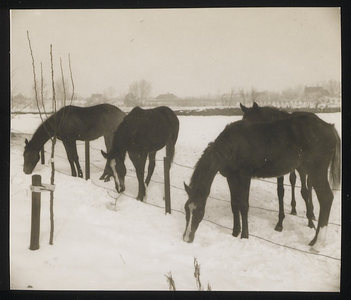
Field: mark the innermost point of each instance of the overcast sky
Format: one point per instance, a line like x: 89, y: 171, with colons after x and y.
x: 187, y: 52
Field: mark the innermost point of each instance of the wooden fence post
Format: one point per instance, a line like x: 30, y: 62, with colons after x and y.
x: 35, y: 222
x: 87, y: 160
x: 166, y: 165
x: 42, y: 156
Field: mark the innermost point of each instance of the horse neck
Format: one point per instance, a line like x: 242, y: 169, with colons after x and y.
x: 204, y: 173
x: 44, y: 132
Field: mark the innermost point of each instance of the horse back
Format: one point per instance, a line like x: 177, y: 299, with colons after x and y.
x: 148, y: 128
x: 88, y: 123
x: 276, y: 148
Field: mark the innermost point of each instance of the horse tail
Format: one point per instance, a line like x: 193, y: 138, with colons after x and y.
x: 335, y: 170
x: 174, y: 125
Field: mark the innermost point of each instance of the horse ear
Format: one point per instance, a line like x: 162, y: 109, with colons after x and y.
x: 255, y: 105
x: 26, y: 141
x: 187, y: 189
x: 243, y: 108
x: 104, y: 154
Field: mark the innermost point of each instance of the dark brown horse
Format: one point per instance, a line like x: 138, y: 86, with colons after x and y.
x: 142, y: 133
x: 72, y: 123
x: 245, y: 150
x: 258, y: 114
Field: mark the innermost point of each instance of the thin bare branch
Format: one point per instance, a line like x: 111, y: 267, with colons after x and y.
x: 35, y: 83
x: 171, y: 283
x: 70, y: 71
x: 52, y: 152
x: 35, y: 78
x: 63, y: 84
x: 42, y: 89
x: 53, y: 83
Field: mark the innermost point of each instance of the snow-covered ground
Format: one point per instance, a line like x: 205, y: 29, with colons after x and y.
x: 101, y: 244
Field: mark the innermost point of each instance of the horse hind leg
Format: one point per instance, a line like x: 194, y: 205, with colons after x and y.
x: 151, y: 167
x: 292, y: 178
x: 309, y: 188
x: 170, y: 145
x: 306, y: 194
x: 280, y: 190
x: 325, y: 198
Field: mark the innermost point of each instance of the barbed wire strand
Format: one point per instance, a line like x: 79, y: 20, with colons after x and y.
x: 211, y: 197
x: 225, y: 227
x: 206, y: 220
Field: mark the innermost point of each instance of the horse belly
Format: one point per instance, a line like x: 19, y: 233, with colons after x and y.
x: 266, y: 166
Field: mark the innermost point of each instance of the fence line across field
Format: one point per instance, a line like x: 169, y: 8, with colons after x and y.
x: 173, y: 186
x: 206, y: 220
x: 220, y: 225
x: 168, y: 209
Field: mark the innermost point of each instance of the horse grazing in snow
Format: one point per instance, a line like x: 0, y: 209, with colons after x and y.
x: 258, y: 114
x: 72, y: 123
x: 142, y: 133
x: 244, y: 150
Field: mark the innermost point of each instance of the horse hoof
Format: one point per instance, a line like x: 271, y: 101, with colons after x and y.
x: 311, y: 225
x: 313, y: 250
x: 293, y: 212
x: 312, y: 242
x: 236, y: 233
x: 107, y: 179
x: 278, y: 228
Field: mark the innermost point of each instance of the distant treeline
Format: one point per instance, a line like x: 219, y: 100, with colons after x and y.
x: 233, y: 111
x: 230, y: 111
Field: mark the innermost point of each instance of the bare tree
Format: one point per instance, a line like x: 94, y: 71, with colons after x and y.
x: 254, y: 94
x: 42, y: 112
x: 144, y: 89
x: 111, y: 91
x: 141, y: 90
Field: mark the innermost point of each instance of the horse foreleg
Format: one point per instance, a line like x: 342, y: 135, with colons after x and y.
x: 292, y: 178
x: 151, y: 167
x: 234, y: 205
x: 70, y: 147
x: 139, y: 161
x: 107, y: 173
x: 325, y: 198
x: 76, y: 159
x: 239, y: 190
x: 107, y: 170
x: 244, y: 205
x: 280, y: 190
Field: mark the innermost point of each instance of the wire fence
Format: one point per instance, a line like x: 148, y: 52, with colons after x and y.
x: 181, y: 188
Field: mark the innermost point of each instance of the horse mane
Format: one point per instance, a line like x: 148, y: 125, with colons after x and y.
x: 210, y: 162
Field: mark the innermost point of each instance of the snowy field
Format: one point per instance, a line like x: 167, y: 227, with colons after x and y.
x: 104, y: 244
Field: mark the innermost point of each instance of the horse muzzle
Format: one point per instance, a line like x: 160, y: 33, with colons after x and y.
x: 189, y: 238
x: 27, y: 170
x: 120, y: 188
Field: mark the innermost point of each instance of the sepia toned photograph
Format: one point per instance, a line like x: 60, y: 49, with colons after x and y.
x: 175, y: 149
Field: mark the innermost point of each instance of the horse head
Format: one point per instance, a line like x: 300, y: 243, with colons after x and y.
x: 116, y: 162
x: 31, y: 158
x: 250, y: 112
x: 194, y: 213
